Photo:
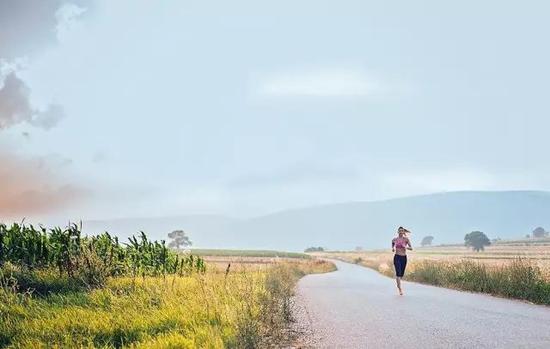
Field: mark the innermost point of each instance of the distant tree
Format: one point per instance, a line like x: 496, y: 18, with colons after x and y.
x: 427, y: 240
x: 527, y: 236
x: 314, y: 249
x: 476, y: 240
x: 359, y: 248
x: 539, y: 232
x: 179, y: 240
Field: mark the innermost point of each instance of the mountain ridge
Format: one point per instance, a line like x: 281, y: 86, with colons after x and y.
x: 446, y: 215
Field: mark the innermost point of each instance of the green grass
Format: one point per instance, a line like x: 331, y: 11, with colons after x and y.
x: 245, y: 309
x: 248, y: 253
x: 138, y: 314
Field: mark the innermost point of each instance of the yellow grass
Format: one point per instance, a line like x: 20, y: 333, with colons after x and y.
x: 213, y: 310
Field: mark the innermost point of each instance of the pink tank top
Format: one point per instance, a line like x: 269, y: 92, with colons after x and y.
x: 400, y: 243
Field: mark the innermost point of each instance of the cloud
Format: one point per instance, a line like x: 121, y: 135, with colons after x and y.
x: 318, y: 83
x: 28, y: 186
x: 27, y: 26
x: 15, y: 106
x: 48, y: 118
x: 67, y: 17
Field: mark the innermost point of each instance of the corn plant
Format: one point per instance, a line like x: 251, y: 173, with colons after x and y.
x: 72, y: 253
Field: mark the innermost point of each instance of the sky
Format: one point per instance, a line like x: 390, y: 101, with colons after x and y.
x: 150, y: 108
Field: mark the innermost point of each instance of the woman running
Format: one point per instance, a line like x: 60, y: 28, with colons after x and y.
x: 400, y: 245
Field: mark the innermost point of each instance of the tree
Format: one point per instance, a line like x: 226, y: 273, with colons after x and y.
x: 427, y: 240
x: 179, y: 239
x: 314, y: 249
x: 476, y: 240
x: 539, y: 232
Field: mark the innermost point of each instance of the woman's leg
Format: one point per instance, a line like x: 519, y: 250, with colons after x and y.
x: 398, y: 279
x: 403, y: 264
x: 398, y: 267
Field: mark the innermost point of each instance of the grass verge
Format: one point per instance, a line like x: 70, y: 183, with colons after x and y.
x: 519, y: 279
x: 240, y: 309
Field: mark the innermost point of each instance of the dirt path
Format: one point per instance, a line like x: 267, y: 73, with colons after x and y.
x: 356, y: 307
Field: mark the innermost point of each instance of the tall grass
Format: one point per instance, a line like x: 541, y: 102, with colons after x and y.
x: 240, y: 309
x: 520, y: 279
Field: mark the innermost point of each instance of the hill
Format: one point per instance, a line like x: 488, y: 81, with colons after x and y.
x: 446, y: 216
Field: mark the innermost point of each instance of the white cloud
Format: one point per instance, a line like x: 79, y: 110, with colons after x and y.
x: 15, y: 106
x: 318, y: 83
x: 67, y: 18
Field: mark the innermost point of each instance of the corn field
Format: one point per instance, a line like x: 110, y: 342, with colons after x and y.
x: 70, y: 253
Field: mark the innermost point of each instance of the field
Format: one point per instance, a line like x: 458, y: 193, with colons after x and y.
x: 248, y: 253
x: 248, y: 259
x: 516, y: 269
x: 61, y: 289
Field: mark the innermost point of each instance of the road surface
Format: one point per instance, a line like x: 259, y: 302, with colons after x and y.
x: 356, y: 307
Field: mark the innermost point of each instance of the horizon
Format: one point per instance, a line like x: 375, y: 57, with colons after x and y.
x: 446, y: 216
x: 321, y: 205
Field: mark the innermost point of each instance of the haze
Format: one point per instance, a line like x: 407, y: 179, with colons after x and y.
x: 152, y: 108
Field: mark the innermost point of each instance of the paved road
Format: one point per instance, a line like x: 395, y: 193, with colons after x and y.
x: 356, y: 307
